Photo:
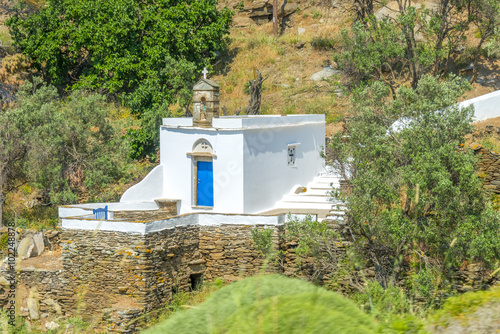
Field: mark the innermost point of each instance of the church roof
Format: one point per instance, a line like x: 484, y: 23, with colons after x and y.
x: 206, y: 84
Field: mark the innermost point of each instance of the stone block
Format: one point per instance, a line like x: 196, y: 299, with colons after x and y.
x: 25, y: 247
x: 38, y: 245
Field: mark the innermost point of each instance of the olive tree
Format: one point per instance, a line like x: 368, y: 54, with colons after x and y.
x: 413, y: 186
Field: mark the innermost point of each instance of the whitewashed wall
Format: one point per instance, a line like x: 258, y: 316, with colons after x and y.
x: 267, y: 174
x: 178, y: 167
x: 251, y: 171
x: 485, y: 106
x: 149, y: 189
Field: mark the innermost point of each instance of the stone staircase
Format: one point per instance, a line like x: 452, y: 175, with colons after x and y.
x: 315, y: 198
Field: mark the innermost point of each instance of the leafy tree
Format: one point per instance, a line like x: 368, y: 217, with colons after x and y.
x: 12, y: 155
x: 487, y: 22
x: 414, y: 191
x: 67, y: 147
x: 146, y: 52
x: 405, y: 46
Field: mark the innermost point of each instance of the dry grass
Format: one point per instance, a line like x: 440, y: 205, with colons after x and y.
x: 287, y: 67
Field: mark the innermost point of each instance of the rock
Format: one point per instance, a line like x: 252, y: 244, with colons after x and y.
x: 123, y: 290
x: 39, y: 245
x: 33, y: 306
x: 260, y: 4
x: 300, y: 44
x: 261, y: 19
x: 327, y: 72
x: 262, y: 12
x: 300, y: 31
x: 242, y: 22
x: 25, y: 247
x: 290, y: 8
x: 51, y: 326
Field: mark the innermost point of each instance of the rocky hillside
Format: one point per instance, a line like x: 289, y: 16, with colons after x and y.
x: 308, y: 41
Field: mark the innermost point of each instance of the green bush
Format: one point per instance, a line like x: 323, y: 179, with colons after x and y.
x: 270, y: 304
x: 321, y: 42
x: 3, y: 241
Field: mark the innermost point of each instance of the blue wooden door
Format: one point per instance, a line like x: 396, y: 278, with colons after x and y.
x: 205, y: 184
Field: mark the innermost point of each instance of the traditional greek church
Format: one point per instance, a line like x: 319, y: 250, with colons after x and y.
x: 264, y: 164
x: 232, y: 164
x: 193, y: 217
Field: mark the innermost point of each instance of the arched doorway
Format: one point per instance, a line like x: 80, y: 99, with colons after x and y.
x: 203, y: 174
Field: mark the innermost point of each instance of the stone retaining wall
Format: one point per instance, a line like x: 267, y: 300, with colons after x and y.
x: 488, y: 167
x: 229, y: 252
x: 143, y: 215
x: 102, y: 264
x: 118, y: 276
x: 123, y: 274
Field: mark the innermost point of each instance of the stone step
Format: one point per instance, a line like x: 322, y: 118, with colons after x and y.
x: 336, y: 213
x: 311, y: 199
x: 304, y: 206
x: 325, y: 182
x: 323, y: 186
x: 315, y: 192
x: 327, y: 179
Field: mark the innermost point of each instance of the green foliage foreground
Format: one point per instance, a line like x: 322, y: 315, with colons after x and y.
x: 147, y: 52
x: 415, y: 195
x: 270, y: 304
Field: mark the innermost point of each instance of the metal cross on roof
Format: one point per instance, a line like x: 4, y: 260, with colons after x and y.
x: 205, y: 72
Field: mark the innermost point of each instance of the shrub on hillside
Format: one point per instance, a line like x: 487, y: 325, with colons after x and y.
x: 270, y: 304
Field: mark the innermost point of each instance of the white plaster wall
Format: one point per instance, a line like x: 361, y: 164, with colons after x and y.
x: 149, y: 189
x: 267, y: 174
x: 178, y: 167
x: 485, y: 106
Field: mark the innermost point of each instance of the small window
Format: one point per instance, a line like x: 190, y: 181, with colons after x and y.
x: 291, y: 155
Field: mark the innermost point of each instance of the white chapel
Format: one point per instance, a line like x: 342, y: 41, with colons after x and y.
x: 231, y: 164
x: 223, y: 169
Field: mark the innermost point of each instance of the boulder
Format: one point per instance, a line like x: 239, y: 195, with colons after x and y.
x: 289, y: 9
x: 242, y: 21
x: 38, y: 245
x: 51, y: 326
x: 33, y: 306
x: 327, y: 72
x: 261, y: 12
x: 25, y: 247
x: 260, y: 4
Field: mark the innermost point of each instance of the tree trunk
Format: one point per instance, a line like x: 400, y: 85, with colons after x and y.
x: 255, y: 95
x: 1, y: 211
x: 476, y: 59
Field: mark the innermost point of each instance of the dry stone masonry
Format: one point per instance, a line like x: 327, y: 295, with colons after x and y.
x: 488, y: 167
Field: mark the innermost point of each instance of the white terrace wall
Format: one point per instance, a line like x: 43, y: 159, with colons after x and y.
x: 485, y: 106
